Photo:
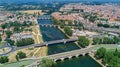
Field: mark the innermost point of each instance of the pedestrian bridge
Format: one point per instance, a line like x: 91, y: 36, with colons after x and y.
x: 56, y: 42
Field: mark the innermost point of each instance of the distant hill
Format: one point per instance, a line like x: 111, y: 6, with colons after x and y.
x: 25, y: 1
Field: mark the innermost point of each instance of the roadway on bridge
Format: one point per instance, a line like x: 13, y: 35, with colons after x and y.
x: 14, y: 48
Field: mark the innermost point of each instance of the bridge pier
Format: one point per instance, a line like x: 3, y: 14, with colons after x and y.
x: 83, y: 54
x: 62, y: 59
x: 70, y: 57
x: 64, y: 41
x: 46, y: 44
x: 77, y: 55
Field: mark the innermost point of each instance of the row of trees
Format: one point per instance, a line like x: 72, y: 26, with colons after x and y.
x: 24, y: 42
x: 106, y: 40
x: 68, y: 31
x: 111, y: 58
x: 107, y: 25
x: 62, y: 24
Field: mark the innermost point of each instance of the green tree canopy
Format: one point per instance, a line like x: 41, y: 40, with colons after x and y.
x: 21, y: 55
x: 4, y: 25
x: 100, y: 53
x: 0, y: 38
x: 46, y: 62
x: 68, y: 31
x: 4, y: 59
x: 8, y: 33
x: 83, y: 41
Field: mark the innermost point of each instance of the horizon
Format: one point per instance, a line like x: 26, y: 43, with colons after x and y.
x: 25, y: 1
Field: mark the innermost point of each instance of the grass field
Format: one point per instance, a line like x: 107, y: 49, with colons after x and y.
x: 33, y: 11
x: 108, y: 46
x: 2, y: 43
x: 18, y: 64
x: 29, y: 53
x: 42, y: 51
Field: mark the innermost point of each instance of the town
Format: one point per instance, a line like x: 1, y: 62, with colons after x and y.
x: 59, y: 34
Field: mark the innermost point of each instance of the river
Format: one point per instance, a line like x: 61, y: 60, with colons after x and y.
x: 52, y: 33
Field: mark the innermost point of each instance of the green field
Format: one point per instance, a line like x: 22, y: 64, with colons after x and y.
x: 18, y: 64
x: 108, y: 46
x: 2, y: 43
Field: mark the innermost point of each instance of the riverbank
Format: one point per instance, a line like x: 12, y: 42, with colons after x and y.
x: 98, y: 61
x: 41, y: 51
x: 63, y: 32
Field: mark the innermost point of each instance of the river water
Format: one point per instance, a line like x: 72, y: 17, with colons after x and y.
x: 52, y: 33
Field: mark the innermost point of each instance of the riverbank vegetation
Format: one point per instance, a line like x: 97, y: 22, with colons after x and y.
x: 108, y: 57
x: 68, y: 31
x: 69, y: 23
x: 46, y: 62
x: 83, y: 41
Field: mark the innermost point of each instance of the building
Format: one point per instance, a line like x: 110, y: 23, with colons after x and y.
x: 19, y: 36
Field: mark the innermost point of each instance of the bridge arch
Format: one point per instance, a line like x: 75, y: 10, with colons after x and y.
x: 66, y: 58
x: 56, y: 60
x: 73, y: 57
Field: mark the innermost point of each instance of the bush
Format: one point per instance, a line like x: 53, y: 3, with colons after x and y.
x: 4, y: 59
x: 20, y: 55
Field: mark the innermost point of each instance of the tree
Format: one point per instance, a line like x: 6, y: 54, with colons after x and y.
x: 0, y: 38
x: 108, y: 56
x: 96, y: 41
x: 16, y: 29
x: 8, y: 33
x: 46, y: 62
x: 100, y: 53
x: 83, y: 41
x: 21, y: 55
x: 114, y: 62
x: 17, y: 57
x: 116, y: 52
x: 4, y: 26
x: 68, y: 31
x: 70, y: 23
x: 4, y: 59
x: 62, y: 24
x: 11, y: 42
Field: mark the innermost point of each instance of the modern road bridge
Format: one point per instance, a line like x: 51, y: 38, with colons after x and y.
x: 14, y: 48
x: 56, y: 42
